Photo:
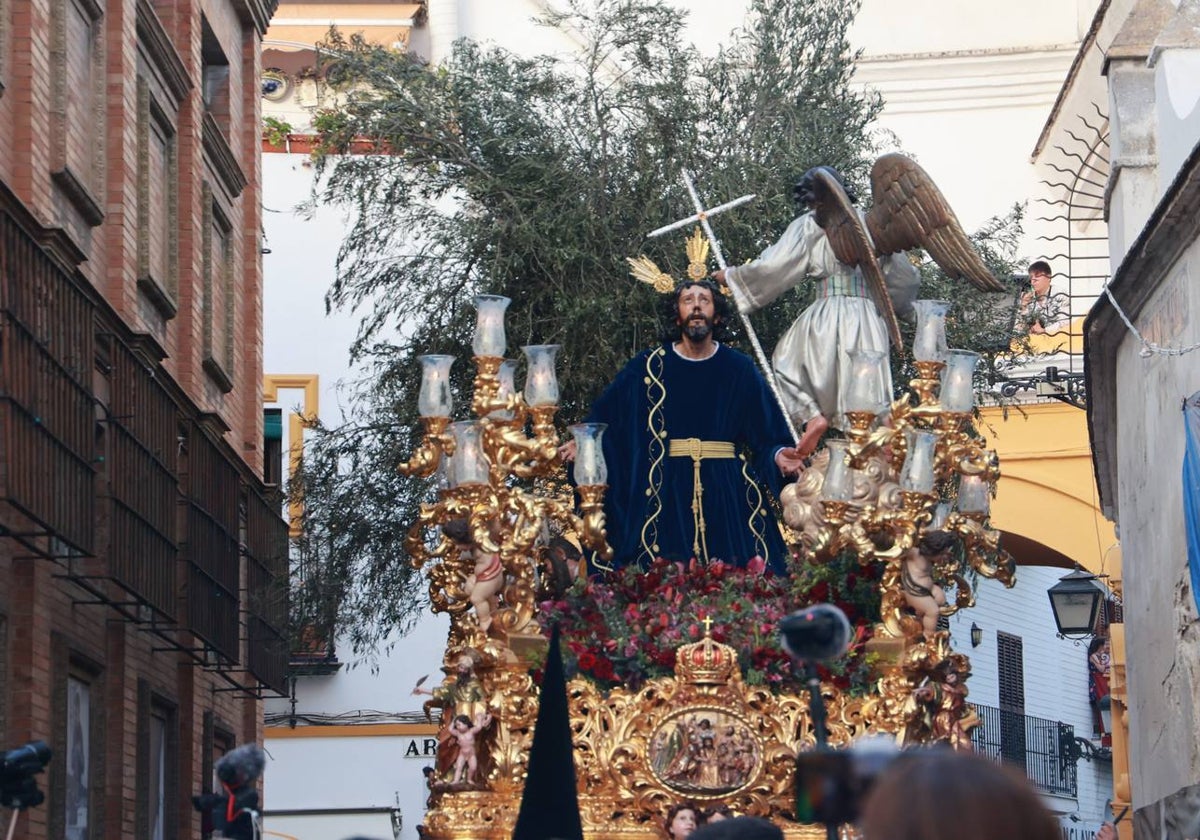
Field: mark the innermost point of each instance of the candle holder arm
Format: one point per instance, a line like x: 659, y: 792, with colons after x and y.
x: 435, y: 443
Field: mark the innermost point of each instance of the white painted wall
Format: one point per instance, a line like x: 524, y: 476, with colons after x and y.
x: 360, y: 779
x: 299, y: 337
x: 1056, y: 674
x: 1177, y: 97
x: 1162, y: 630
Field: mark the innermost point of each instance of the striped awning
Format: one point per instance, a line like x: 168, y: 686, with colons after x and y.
x: 301, y: 25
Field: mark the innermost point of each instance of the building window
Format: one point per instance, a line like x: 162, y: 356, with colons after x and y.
x: 214, y: 67
x: 79, y: 112
x: 157, y: 203
x: 218, y: 301
x: 1011, y: 666
x: 75, y: 778
x: 78, y: 818
x: 3, y: 671
x: 156, y: 779
x: 157, y: 751
x: 217, y: 741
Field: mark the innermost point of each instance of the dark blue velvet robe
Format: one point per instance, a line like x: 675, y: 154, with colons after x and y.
x: 648, y: 505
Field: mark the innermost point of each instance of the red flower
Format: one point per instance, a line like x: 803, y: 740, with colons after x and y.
x: 604, y: 669
x: 819, y: 593
x: 756, y: 565
x: 587, y: 661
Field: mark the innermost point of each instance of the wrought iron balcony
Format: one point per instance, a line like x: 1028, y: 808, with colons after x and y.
x: 266, y: 553
x: 211, y: 547
x: 1044, y: 749
x: 143, y: 424
x: 47, y: 416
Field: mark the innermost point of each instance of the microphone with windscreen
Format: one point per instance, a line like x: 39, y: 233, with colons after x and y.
x: 816, y: 634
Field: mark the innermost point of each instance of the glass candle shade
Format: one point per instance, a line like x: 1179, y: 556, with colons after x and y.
x: 541, y: 385
x: 590, y: 468
x: 839, y: 477
x: 974, y: 495
x: 917, y: 474
x: 507, y: 377
x: 941, y: 513
x: 468, y: 464
x: 865, y: 391
x: 489, y: 327
x: 434, y: 398
x: 929, y: 345
x: 958, y: 381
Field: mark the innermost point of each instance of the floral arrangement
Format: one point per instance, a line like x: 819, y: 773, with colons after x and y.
x: 624, y: 628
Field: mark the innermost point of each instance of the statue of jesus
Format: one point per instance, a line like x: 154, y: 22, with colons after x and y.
x: 695, y: 445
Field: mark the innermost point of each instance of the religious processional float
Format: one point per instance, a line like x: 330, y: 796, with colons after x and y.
x: 681, y: 690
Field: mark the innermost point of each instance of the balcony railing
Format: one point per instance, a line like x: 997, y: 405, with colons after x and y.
x: 47, y: 445
x: 143, y: 553
x: 211, y: 547
x: 266, y: 591
x: 1043, y: 749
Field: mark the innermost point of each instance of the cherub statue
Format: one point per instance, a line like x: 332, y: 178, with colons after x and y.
x: 483, y: 585
x: 462, y: 733
x: 921, y: 591
x: 863, y: 279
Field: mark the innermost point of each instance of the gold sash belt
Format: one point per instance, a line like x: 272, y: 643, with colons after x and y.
x: 698, y: 450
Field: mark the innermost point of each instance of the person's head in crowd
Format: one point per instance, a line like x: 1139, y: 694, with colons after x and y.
x: 991, y: 801
x: 1039, y: 278
x: 682, y: 820
x: 718, y: 812
x: 739, y: 828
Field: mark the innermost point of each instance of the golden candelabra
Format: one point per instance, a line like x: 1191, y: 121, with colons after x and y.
x: 489, y: 462
x: 900, y: 475
x: 485, y: 543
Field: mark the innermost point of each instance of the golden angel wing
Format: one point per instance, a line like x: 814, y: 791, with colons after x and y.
x: 851, y: 245
x: 909, y: 210
x: 643, y: 268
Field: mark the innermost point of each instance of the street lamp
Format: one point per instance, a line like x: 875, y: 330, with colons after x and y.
x: 1076, y: 600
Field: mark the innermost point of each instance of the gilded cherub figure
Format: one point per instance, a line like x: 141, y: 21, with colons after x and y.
x: 484, y: 584
x: 921, y: 592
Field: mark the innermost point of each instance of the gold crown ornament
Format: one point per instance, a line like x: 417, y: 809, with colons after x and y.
x: 706, y: 662
x: 647, y: 271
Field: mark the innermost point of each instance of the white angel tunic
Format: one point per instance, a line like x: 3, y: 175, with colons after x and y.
x: 812, y: 360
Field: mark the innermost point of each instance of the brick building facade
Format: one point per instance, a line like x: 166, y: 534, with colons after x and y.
x: 142, y: 558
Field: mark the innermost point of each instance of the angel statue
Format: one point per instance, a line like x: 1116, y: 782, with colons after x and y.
x: 864, y: 279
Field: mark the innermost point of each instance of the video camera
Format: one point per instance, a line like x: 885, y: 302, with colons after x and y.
x: 832, y: 784
x: 232, y: 812
x: 18, y: 787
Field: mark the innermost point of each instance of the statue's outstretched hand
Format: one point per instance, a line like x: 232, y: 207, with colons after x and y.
x: 790, y: 461
x: 719, y: 276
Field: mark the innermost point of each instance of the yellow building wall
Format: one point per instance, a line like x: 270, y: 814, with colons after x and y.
x: 1047, y: 488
